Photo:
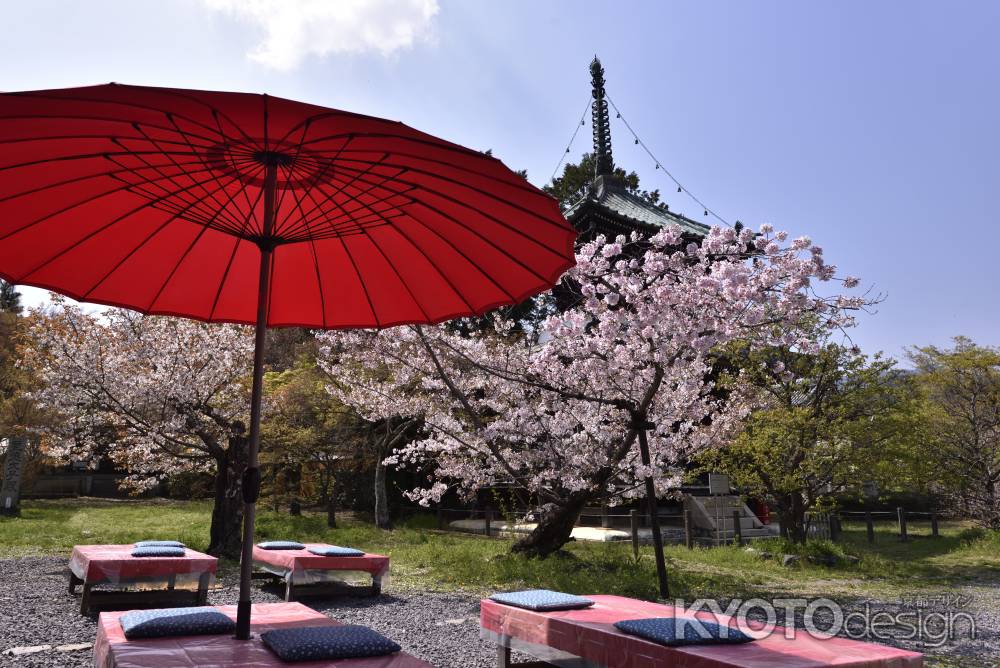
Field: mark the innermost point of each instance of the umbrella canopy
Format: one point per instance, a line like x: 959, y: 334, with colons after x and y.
x: 245, y: 208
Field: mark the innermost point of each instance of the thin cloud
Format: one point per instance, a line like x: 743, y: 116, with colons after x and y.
x: 297, y: 29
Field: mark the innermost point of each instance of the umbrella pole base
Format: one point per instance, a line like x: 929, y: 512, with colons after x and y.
x: 243, y: 620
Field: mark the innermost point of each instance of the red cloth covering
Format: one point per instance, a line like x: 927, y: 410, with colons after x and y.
x: 590, y: 634
x: 297, y: 562
x: 112, y: 650
x: 115, y: 563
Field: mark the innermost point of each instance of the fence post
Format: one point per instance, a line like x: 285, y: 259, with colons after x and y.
x: 934, y: 524
x: 440, y: 517
x: 737, y: 529
x: 901, y: 514
x: 688, y: 529
x: 633, y: 518
x: 834, y: 527
x: 489, y: 521
x: 870, y: 526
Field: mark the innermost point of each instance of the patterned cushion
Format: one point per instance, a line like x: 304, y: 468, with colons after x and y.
x: 316, y: 643
x: 542, y: 599
x: 175, y: 622
x: 336, y: 551
x: 281, y: 545
x: 666, y: 631
x: 159, y: 543
x: 153, y: 551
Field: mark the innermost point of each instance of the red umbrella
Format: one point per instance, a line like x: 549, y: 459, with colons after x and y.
x: 234, y: 207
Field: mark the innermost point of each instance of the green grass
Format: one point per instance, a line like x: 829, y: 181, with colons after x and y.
x: 429, y: 559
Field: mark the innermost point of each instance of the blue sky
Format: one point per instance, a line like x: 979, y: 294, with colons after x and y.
x: 872, y: 127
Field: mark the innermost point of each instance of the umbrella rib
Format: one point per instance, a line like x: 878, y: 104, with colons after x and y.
x: 484, y: 237
x: 165, y: 202
x: 381, y: 252
x: 421, y: 251
x: 289, y: 174
x: 361, y: 281
x: 454, y: 148
x: 225, y: 138
x: 232, y: 257
x: 136, y: 250
x: 76, y: 179
x: 182, y: 134
x: 344, y: 215
x: 317, y: 177
x: 177, y: 266
x: 102, y: 119
x: 127, y: 185
x: 183, y: 191
x: 455, y: 248
x: 86, y: 237
x: 329, y: 197
x: 315, y: 256
x: 87, y: 156
x: 520, y: 184
x: 485, y: 193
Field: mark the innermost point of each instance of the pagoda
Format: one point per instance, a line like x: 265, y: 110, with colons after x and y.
x: 609, y: 208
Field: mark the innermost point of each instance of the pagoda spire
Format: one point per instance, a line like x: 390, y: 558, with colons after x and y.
x: 601, y: 122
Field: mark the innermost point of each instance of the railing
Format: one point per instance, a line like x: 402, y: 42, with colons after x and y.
x: 903, y: 520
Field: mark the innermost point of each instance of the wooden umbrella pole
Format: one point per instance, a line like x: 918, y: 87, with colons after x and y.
x: 251, y: 478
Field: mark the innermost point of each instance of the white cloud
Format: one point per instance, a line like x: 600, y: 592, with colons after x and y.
x: 295, y: 29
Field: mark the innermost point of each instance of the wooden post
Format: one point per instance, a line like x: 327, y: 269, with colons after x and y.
x: 737, y: 529
x: 901, y: 514
x: 688, y: 529
x: 633, y: 518
x: 934, y: 524
x: 605, y: 520
x: 870, y: 527
x: 489, y: 522
x: 834, y: 527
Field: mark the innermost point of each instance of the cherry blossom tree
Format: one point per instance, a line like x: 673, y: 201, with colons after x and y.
x: 558, y: 410
x: 156, y: 395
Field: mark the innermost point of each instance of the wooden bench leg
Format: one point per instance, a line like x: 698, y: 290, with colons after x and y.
x: 203, y: 588
x: 503, y: 656
x: 171, y: 582
x: 85, y: 599
x: 73, y: 582
x: 376, y: 585
x: 288, y: 589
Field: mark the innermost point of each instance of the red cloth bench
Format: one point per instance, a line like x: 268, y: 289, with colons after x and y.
x: 590, y: 634
x: 184, y: 579
x: 113, y: 650
x: 308, y: 571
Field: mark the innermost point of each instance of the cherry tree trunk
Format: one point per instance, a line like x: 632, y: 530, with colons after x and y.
x: 555, y: 524
x: 382, y: 520
x: 227, y: 512
x: 10, y: 492
x: 793, y: 518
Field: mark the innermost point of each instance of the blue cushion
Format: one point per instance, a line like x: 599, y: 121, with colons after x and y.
x: 175, y: 622
x: 317, y: 643
x: 336, y: 551
x: 159, y: 543
x: 665, y: 631
x: 281, y: 545
x: 153, y: 551
x: 542, y: 599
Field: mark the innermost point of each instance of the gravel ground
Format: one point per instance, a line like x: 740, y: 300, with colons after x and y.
x: 442, y: 628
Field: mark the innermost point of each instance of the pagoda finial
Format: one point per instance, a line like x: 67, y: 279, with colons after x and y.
x: 601, y: 122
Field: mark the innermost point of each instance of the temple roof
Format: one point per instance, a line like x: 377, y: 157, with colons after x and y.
x: 609, y: 208
x: 610, y: 202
